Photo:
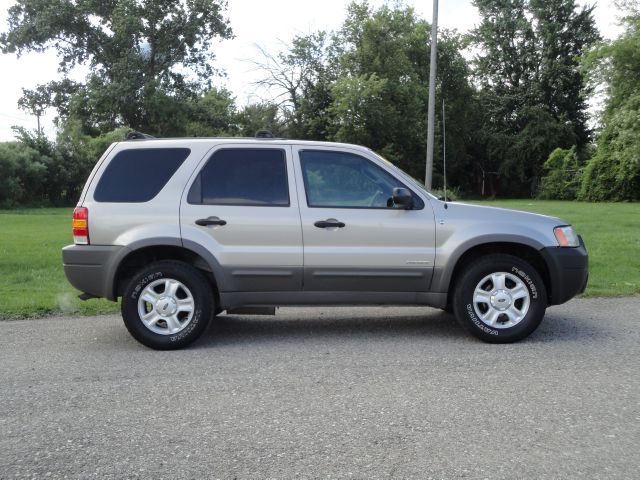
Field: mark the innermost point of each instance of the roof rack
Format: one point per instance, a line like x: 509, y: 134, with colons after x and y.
x: 138, y: 136
x: 264, y: 134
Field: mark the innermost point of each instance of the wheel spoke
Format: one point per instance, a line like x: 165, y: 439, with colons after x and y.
x: 185, y: 305
x: 149, y: 296
x: 173, y: 324
x: 513, y: 314
x: 491, y: 317
x: 481, y: 296
x: 151, y: 318
x: 519, y: 291
x: 498, y: 281
x: 171, y: 287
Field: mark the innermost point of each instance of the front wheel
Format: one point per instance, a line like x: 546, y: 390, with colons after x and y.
x: 167, y: 305
x: 500, y: 298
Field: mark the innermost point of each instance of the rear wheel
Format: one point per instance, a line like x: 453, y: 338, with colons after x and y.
x: 167, y: 305
x: 500, y: 298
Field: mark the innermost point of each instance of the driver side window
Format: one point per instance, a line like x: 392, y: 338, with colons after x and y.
x: 345, y: 180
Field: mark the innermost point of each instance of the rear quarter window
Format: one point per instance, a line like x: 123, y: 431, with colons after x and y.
x: 138, y: 175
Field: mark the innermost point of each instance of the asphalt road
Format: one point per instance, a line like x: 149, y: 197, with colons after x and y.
x: 325, y: 393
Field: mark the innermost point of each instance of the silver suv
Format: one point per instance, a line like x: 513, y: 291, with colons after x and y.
x: 183, y: 229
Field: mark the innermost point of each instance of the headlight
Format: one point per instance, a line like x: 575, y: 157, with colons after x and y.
x: 566, y: 236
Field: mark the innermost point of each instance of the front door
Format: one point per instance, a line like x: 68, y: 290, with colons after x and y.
x: 355, y: 239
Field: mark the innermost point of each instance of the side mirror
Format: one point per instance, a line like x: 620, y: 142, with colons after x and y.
x: 403, y: 198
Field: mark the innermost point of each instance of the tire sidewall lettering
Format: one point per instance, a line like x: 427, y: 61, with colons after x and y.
x: 478, y: 323
x: 192, y: 325
x: 142, y: 283
x: 528, y: 281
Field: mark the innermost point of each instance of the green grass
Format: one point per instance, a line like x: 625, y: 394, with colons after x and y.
x: 611, y: 232
x: 32, y: 282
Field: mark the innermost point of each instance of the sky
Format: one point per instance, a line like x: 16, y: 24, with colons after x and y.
x: 269, y: 24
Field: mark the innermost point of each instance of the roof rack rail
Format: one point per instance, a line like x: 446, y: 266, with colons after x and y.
x: 264, y: 134
x: 138, y: 136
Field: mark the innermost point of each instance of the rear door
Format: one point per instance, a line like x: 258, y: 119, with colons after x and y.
x: 354, y: 238
x: 242, y: 207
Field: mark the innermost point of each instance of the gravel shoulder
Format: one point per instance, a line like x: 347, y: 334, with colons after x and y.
x: 325, y: 393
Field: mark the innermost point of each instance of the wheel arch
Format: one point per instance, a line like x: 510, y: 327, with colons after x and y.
x: 520, y: 250
x: 138, y: 256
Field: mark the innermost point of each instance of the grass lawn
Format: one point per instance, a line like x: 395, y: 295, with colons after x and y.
x: 32, y: 282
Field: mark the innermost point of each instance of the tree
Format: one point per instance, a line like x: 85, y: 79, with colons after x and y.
x: 532, y: 87
x: 260, y: 116
x: 614, y: 171
x: 145, y: 57
x: 367, y: 83
x: 299, y: 80
x: 563, y: 175
x: 213, y: 114
x: 381, y: 95
x: 35, y: 102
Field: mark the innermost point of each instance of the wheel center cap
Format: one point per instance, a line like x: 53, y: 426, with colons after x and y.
x: 166, y: 306
x: 501, y: 300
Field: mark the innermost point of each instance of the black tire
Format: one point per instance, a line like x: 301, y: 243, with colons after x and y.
x: 469, y: 313
x: 197, y: 286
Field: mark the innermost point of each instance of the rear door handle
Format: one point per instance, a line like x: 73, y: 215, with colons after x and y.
x: 329, y: 223
x: 205, y: 222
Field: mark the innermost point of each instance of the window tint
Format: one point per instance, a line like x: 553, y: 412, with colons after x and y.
x: 243, y: 176
x: 138, y: 175
x: 338, y: 179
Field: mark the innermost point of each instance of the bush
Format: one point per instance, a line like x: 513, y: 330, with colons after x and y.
x: 563, y: 175
x: 22, y: 175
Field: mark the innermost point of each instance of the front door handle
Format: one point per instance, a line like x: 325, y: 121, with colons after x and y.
x: 329, y: 223
x: 205, y: 222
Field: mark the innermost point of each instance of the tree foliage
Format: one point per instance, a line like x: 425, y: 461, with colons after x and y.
x: 563, y: 175
x: 516, y: 115
x: 614, y: 171
x: 145, y: 57
x: 367, y: 83
x: 532, y: 90
x: 299, y: 80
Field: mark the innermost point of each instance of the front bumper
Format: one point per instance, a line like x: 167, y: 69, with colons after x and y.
x: 92, y: 268
x: 568, y: 271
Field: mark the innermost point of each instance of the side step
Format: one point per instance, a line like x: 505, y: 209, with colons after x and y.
x: 252, y: 311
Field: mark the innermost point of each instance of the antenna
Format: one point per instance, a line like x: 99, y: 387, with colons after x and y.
x: 444, y: 155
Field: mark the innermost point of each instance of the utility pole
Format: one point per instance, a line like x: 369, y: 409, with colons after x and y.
x: 431, y: 107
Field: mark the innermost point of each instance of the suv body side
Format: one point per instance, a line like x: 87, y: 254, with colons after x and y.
x: 281, y: 258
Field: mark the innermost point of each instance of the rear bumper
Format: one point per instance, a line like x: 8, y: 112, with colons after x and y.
x: 91, y: 268
x: 568, y: 271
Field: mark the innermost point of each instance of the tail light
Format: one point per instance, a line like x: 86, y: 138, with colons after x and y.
x: 81, y: 226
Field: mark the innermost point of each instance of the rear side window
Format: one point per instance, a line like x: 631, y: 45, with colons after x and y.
x: 138, y: 175
x: 243, y: 176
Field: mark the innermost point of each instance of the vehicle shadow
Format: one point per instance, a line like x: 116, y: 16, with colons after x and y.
x: 239, y: 329
x: 351, y: 325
